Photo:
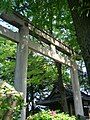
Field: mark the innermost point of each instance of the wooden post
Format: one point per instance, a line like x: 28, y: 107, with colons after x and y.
x: 76, y: 90
x: 21, y: 66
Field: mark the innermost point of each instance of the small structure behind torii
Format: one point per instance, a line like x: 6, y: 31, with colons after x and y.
x: 24, y: 44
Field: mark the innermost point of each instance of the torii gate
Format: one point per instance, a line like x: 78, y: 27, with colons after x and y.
x: 24, y: 44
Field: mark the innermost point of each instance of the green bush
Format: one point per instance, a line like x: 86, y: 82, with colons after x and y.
x: 51, y: 115
x: 11, y: 102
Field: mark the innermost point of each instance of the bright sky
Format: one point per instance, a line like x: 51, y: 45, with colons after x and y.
x: 7, y: 25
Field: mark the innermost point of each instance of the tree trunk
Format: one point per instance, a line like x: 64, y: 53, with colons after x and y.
x: 82, y: 27
x: 61, y: 88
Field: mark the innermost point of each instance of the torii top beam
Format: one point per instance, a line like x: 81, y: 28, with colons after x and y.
x: 19, y: 20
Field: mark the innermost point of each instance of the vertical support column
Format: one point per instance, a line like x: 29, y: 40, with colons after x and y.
x: 20, y: 80
x: 76, y: 89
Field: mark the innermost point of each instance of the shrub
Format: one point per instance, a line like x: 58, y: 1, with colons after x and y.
x: 11, y: 102
x: 51, y: 115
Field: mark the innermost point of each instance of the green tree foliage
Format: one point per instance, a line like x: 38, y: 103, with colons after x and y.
x: 7, y: 60
x: 52, y: 16
x: 51, y: 115
x: 41, y: 70
x: 11, y: 102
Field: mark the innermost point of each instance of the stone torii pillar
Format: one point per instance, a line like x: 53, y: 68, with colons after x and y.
x: 76, y: 89
x: 20, y: 80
